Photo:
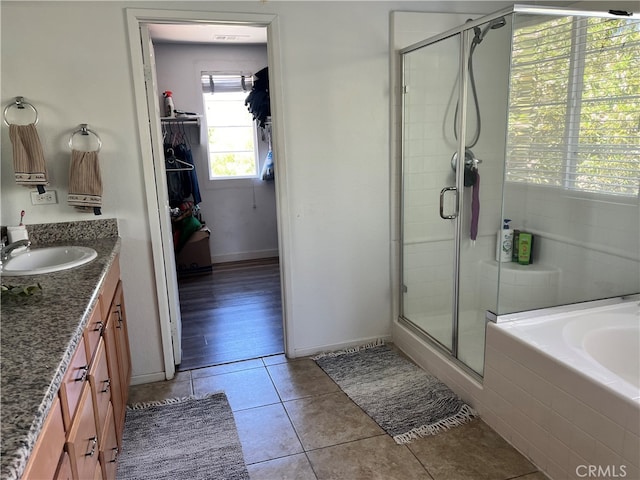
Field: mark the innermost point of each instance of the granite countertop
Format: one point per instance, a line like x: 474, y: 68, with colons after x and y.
x: 39, y: 335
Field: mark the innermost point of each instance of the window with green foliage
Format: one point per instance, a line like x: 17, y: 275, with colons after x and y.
x: 574, y: 115
x: 231, y: 132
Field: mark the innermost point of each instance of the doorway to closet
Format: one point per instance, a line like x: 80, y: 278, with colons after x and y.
x: 229, y: 287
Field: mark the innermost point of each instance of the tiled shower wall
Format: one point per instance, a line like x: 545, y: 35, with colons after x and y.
x: 592, y: 239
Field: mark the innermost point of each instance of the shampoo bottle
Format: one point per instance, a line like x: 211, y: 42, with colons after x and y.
x: 504, y: 242
x: 525, y: 242
x: 169, y: 107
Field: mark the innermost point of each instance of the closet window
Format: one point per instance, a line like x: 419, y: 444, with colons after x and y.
x: 231, y: 130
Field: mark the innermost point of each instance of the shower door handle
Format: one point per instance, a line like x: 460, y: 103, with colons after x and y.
x: 442, y: 192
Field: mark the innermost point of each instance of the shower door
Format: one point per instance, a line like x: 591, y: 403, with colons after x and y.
x: 449, y: 222
x: 429, y: 195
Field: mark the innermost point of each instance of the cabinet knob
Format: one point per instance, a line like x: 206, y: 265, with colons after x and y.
x: 107, y: 384
x: 99, y: 327
x: 85, y: 371
x: 115, y: 455
x: 94, y: 444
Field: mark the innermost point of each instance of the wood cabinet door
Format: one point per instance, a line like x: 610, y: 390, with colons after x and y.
x: 45, y: 457
x: 93, y: 332
x: 72, y: 382
x: 100, y: 382
x: 82, y: 439
x: 109, y: 287
x: 64, y: 468
x: 109, y: 448
x: 122, y: 337
x: 114, y: 373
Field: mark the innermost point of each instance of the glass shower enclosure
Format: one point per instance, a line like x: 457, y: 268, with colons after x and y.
x: 529, y: 114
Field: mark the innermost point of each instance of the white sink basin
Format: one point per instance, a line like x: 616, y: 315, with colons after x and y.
x: 47, y: 260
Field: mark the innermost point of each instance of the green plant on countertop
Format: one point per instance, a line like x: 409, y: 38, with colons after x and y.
x: 21, y: 290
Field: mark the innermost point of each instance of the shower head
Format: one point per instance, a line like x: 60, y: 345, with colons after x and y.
x: 492, y: 25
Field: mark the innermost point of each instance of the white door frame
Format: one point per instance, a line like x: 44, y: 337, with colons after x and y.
x: 153, y: 169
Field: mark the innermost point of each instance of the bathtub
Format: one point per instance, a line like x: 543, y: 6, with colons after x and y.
x: 601, y: 342
x: 562, y: 385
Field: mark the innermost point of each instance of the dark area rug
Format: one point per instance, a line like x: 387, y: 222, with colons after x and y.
x: 402, y: 398
x: 191, y: 438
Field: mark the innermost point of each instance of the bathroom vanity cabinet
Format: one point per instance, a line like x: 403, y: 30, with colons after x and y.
x: 82, y: 434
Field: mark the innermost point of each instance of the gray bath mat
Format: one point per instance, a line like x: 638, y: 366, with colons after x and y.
x: 194, y: 438
x: 402, y: 398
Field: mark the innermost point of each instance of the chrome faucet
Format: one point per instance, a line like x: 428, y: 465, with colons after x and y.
x: 6, y: 251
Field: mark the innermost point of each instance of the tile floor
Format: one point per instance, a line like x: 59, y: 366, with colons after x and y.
x: 295, y: 423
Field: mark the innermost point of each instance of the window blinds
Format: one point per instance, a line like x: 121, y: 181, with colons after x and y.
x: 574, y: 115
x: 218, y: 83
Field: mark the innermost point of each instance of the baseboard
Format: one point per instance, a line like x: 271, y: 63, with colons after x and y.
x: 149, y: 378
x: 240, y: 256
x: 307, y: 352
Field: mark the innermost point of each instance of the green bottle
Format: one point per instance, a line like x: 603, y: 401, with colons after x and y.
x: 524, y: 248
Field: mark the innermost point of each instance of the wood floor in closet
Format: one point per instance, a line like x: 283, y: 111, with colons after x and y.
x: 233, y: 314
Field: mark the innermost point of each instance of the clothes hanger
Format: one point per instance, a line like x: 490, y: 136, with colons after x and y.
x: 173, y: 160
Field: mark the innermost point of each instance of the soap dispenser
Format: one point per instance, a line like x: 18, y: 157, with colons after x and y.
x: 504, y: 242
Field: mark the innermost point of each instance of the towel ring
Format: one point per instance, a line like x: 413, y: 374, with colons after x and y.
x: 20, y: 104
x: 83, y: 130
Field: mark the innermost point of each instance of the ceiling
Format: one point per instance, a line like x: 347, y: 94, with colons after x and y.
x: 207, y: 33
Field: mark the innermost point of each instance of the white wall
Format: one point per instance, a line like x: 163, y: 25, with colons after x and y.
x: 335, y: 70
x: 241, y: 213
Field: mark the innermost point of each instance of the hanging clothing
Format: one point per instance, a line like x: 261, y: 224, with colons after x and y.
x: 181, y: 184
x: 183, y: 152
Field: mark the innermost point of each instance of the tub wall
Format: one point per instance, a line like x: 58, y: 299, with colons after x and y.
x: 557, y: 428
x: 559, y: 419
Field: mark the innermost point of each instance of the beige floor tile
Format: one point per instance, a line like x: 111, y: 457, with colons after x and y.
x: 294, y: 467
x: 266, y: 433
x: 178, y: 387
x: 226, y: 368
x: 329, y: 419
x: 276, y: 359
x: 369, y: 459
x: 471, y: 451
x: 244, y: 389
x: 533, y: 476
x: 300, y: 378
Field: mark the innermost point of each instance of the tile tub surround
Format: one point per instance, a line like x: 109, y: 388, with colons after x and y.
x: 560, y: 419
x: 39, y: 334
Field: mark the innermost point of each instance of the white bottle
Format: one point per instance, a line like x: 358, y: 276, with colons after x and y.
x: 169, y: 107
x: 504, y: 242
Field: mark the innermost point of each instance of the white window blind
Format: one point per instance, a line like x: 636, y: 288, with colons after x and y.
x: 574, y: 115
x: 226, y: 82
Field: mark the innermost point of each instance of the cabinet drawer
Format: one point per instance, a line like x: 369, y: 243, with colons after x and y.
x: 93, y: 332
x: 45, y: 457
x: 109, y: 448
x: 100, y: 385
x: 82, y: 440
x: 64, y: 468
x: 109, y: 287
x: 72, y: 383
